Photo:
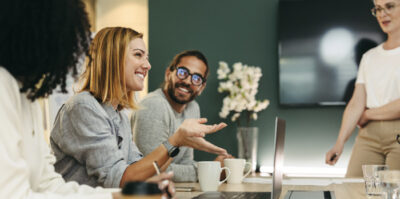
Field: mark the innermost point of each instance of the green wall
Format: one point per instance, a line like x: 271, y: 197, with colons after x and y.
x: 245, y: 31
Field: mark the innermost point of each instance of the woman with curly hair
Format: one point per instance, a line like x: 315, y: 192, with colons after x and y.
x: 92, y: 138
x: 40, y: 42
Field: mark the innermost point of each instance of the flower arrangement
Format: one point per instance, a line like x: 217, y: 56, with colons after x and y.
x: 242, y: 86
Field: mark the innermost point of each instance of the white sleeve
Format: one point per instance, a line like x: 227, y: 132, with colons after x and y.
x: 361, y: 70
x: 15, y: 171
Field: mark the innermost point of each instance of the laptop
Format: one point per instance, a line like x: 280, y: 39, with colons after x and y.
x: 277, y: 175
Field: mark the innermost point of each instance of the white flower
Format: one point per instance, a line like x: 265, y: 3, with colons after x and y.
x: 223, y: 70
x: 237, y: 67
x: 241, y: 84
x: 254, y: 116
x: 224, y: 113
x: 235, y: 116
x: 261, y: 106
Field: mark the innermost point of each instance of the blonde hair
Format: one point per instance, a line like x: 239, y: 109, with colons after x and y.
x: 104, y: 76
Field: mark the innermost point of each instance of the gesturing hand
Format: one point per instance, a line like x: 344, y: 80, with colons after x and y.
x: 191, y: 134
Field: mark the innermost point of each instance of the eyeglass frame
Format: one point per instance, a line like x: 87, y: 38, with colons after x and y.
x: 388, y: 6
x: 203, y: 79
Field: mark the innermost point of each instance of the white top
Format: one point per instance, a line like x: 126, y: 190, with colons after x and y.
x: 26, y: 164
x: 380, y: 72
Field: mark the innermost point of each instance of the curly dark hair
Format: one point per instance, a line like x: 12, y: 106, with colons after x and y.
x: 41, y: 41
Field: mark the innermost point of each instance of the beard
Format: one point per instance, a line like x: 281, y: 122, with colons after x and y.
x: 175, y: 97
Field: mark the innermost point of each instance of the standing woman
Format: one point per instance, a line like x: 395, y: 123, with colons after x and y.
x: 92, y: 138
x: 375, y: 104
x: 40, y: 42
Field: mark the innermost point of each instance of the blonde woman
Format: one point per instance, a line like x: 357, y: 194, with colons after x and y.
x: 92, y: 138
x: 375, y: 104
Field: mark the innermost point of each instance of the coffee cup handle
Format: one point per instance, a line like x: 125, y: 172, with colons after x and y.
x: 248, y: 172
x: 227, y: 175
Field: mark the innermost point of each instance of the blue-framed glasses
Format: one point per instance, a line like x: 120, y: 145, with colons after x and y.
x: 182, y: 73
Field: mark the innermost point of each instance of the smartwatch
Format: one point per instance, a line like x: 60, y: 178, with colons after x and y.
x: 172, y: 150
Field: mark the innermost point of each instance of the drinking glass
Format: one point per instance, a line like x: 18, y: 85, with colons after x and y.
x: 373, y: 186
x: 390, y: 180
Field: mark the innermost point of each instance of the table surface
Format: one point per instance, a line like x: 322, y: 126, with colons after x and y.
x: 343, y: 188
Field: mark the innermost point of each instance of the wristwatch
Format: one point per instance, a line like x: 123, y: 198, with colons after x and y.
x: 172, y: 150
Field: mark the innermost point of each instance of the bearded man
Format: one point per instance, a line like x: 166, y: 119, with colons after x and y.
x: 163, y: 110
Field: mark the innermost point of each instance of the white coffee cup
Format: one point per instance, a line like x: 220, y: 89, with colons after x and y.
x: 209, y: 173
x: 236, y: 166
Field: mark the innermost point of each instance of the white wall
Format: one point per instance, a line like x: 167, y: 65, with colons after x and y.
x: 127, y: 13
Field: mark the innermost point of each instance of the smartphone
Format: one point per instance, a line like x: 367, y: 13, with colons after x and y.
x: 184, y: 189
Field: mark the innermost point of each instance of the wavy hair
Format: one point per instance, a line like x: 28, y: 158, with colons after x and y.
x: 41, y: 41
x: 104, y: 76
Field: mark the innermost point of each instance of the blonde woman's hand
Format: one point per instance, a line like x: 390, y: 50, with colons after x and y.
x: 191, y: 134
x: 164, y: 181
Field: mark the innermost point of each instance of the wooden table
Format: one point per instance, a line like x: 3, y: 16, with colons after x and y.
x: 346, y: 190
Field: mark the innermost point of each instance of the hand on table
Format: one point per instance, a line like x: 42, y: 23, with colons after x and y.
x: 164, y: 184
x: 164, y: 181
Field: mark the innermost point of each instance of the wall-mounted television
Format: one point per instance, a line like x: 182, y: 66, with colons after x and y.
x: 317, y: 40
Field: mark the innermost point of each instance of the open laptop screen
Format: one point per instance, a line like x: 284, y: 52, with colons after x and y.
x: 280, y: 127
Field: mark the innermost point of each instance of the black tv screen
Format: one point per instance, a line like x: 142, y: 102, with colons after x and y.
x: 317, y: 40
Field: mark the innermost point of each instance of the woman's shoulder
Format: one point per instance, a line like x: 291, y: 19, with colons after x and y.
x: 6, y: 78
x: 8, y: 84
x: 83, y: 98
x: 374, y: 51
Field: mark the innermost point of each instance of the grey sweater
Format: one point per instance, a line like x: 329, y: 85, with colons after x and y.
x: 155, y: 122
x: 92, y: 142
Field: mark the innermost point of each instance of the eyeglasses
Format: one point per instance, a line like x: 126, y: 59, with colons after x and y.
x: 182, y: 73
x: 388, y: 8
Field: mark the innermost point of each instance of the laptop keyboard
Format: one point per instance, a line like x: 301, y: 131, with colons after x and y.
x: 234, y: 195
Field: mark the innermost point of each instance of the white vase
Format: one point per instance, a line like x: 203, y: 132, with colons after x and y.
x: 247, y: 144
